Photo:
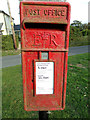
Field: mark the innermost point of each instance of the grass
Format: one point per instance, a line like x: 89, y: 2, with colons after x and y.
x: 10, y: 52
x: 77, y: 89
x: 80, y: 41
x: 76, y: 98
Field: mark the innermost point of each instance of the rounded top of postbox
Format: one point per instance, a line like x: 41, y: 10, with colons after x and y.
x: 47, y: 0
x: 45, y: 12
x: 64, y: 2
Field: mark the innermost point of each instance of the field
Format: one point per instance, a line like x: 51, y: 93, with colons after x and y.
x: 76, y: 99
x: 79, y: 41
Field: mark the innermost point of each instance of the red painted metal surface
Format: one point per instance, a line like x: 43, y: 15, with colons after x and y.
x: 44, y: 27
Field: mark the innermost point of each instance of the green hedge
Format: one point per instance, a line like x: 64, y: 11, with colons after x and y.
x: 8, y: 43
x: 78, y: 37
x: 74, y: 33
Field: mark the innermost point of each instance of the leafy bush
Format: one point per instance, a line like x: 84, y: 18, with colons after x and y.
x: 89, y: 32
x: 8, y: 43
x: 85, y: 32
x: 74, y: 33
x: 78, y: 37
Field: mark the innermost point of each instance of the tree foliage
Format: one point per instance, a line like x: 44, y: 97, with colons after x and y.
x: 78, y: 29
x: 76, y: 23
x: 79, y: 33
x: 74, y: 32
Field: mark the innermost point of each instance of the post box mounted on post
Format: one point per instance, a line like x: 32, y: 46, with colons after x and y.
x: 44, y: 40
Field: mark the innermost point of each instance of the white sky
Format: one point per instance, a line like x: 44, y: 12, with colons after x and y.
x: 79, y: 9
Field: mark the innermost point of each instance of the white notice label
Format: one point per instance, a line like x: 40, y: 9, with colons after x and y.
x: 44, y: 77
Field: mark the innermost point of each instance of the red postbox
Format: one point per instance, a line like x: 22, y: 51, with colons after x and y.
x: 44, y: 40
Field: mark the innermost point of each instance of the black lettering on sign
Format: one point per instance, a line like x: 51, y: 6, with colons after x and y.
x: 40, y: 76
x: 43, y: 67
x: 44, y: 77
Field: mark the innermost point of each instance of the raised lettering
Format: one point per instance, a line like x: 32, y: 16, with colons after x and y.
x: 30, y: 11
x: 52, y: 40
x: 49, y: 12
x: 53, y: 13
x: 59, y: 13
x: 43, y: 38
x: 26, y: 12
x: 38, y: 11
x: 34, y: 12
x: 37, y: 39
x: 63, y: 13
x: 45, y: 12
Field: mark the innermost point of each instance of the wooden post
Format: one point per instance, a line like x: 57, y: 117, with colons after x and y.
x: 15, y: 45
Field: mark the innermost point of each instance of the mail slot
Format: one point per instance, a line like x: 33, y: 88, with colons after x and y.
x: 44, y: 41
